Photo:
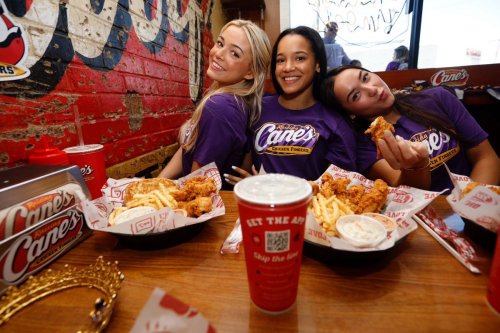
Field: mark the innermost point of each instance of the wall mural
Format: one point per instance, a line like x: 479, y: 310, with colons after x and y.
x: 123, y: 62
x: 14, y: 48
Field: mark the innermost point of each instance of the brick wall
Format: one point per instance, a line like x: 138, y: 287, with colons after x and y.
x: 135, y: 69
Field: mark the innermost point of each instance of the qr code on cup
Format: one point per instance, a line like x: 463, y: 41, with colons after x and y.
x: 278, y: 241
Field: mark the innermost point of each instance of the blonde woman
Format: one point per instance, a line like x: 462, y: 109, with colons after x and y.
x: 217, y: 132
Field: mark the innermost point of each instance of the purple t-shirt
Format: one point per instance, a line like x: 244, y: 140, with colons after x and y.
x: 441, y: 147
x: 393, y: 66
x: 302, y: 143
x: 397, y: 65
x: 222, y: 136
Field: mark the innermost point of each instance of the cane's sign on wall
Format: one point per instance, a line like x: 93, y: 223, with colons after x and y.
x: 450, y: 77
x: 13, y: 48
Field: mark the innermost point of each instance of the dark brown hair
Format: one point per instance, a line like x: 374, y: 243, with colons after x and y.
x: 406, y: 105
x: 317, y: 46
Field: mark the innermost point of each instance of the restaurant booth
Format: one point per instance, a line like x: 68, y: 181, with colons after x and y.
x: 122, y: 77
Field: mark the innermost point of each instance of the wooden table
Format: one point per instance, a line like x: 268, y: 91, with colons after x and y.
x: 419, y: 287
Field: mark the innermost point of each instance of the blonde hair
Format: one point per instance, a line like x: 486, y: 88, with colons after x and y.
x: 250, y: 91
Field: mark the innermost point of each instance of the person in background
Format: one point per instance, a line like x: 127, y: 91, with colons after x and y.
x: 431, y: 127
x: 335, y: 55
x: 355, y: 62
x: 296, y: 133
x: 217, y: 132
x: 400, y: 59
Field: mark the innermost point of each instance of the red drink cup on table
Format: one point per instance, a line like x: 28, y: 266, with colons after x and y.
x: 90, y: 160
x: 273, y: 211
x: 493, y: 295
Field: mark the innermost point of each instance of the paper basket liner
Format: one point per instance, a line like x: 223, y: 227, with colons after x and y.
x: 97, y: 211
x: 481, y: 205
x: 402, y: 203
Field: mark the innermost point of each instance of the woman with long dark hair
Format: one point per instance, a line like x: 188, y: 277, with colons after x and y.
x: 296, y: 134
x: 431, y: 127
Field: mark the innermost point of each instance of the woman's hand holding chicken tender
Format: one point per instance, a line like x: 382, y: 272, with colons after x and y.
x: 402, y: 154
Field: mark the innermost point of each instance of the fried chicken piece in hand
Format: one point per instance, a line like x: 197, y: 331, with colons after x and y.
x: 377, y: 128
x: 373, y: 201
x: 194, y: 187
x: 197, y: 207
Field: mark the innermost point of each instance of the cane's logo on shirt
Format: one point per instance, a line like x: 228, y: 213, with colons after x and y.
x: 285, y: 139
x: 440, y: 146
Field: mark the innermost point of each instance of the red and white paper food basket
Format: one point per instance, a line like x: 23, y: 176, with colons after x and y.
x: 97, y: 211
x: 402, y: 203
x: 481, y: 205
x: 165, y: 313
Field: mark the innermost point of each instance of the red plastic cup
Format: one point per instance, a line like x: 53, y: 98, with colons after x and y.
x: 273, y: 211
x: 493, y: 295
x: 90, y: 160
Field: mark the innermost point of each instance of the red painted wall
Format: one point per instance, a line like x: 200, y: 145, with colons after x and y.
x: 132, y: 97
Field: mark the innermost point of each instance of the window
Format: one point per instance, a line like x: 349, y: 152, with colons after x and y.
x: 453, y: 32
x: 459, y: 33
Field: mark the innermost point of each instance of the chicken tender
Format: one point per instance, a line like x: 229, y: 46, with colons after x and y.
x: 356, y: 194
x: 469, y: 188
x: 377, y: 128
x: 494, y: 189
x: 337, y: 187
x: 373, y: 201
x: 197, y: 207
x: 473, y: 185
x: 315, y: 187
x: 196, y: 187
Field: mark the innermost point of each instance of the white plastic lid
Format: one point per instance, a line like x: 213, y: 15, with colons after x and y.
x: 83, y: 149
x: 273, y: 189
